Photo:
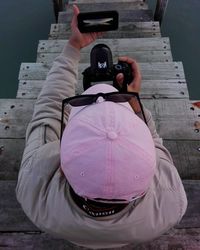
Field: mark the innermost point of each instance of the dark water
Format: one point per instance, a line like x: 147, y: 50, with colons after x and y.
x: 182, y: 25
x: 23, y: 23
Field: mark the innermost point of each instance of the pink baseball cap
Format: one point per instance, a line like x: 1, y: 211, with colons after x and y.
x: 107, y: 151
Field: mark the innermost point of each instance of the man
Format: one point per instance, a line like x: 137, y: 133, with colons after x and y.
x: 110, y: 182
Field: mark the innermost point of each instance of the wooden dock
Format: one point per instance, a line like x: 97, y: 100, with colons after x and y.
x: 164, y: 92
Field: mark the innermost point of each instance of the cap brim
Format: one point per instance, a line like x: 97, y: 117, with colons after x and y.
x: 100, y: 88
x: 95, y: 89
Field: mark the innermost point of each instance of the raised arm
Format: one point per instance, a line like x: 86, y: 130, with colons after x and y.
x: 60, y: 84
x: 41, y: 159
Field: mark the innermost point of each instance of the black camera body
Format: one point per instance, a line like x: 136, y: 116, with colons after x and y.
x: 103, y: 69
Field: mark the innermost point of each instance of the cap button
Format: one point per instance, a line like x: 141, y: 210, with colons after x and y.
x: 112, y: 135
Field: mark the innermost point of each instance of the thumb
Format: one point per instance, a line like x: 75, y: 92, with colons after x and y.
x: 76, y: 10
x: 74, y: 18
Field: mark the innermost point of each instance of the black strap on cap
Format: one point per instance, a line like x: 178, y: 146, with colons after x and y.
x: 94, y: 208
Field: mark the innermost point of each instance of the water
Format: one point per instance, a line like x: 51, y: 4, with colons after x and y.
x: 181, y: 25
x: 23, y: 23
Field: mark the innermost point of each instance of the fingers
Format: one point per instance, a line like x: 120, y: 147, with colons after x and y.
x: 135, y: 85
x: 131, y: 61
x: 120, y: 79
x: 95, y: 35
x: 134, y: 64
x: 100, y: 34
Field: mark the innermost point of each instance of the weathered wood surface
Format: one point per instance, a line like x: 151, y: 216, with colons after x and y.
x: 11, y: 151
x: 124, y: 16
x: 14, y: 124
x: 126, y: 30
x: 29, y: 89
x: 116, y: 45
x: 143, y: 50
x: 70, y: 2
x: 154, y: 71
x: 14, y: 117
x: 191, y: 219
x: 175, y: 239
x: 104, y: 6
x: 149, y: 71
x: 186, y: 157
x: 174, y: 118
x: 185, y: 154
x: 155, y: 89
x: 140, y: 56
x: 13, y: 219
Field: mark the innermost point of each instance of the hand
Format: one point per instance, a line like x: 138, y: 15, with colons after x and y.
x: 80, y: 40
x: 135, y: 85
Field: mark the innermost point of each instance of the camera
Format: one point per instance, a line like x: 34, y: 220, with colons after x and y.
x: 102, y: 69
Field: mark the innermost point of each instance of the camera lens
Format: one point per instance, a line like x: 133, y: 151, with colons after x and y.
x: 118, y: 67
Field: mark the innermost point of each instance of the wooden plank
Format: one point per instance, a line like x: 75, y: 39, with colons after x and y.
x: 149, y: 71
x: 192, y: 216
x: 14, y: 117
x: 11, y: 151
x: 140, y: 56
x: 174, y: 118
x: 154, y: 71
x: 29, y: 89
x: 175, y: 239
x: 70, y: 2
x: 124, y: 16
x: 104, y: 6
x: 126, y: 30
x: 185, y: 155
x: 116, y: 45
x: 156, y: 89
x: 13, y: 218
x: 142, y: 49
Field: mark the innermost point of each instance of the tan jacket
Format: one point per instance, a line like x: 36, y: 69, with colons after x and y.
x: 43, y: 191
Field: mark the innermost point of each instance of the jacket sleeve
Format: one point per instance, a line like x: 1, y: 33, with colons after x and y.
x: 43, y: 131
x: 60, y: 84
